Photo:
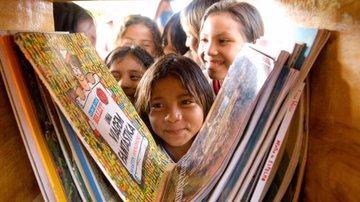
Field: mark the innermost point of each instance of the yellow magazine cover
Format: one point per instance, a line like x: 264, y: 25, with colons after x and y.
x: 98, y: 111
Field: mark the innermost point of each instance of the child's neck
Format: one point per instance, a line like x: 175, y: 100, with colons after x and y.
x: 177, y: 152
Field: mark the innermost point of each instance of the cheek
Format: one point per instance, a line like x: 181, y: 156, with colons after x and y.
x: 200, y: 53
x: 156, y: 122
x: 133, y: 84
x: 194, y: 44
x: 150, y: 49
x: 196, y: 119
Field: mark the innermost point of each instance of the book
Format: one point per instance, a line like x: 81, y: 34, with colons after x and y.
x: 286, y: 169
x: 314, y: 39
x: 256, y: 132
x: 98, y: 111
x: 268, y: 135
x: 289, y: 160
x: 293, y: 191
x: 81, y: 158
x: 247, y: 192
x: 68, y: 154
x: 221, y: 187
x: 275, y: 152
x: 43, y: 117
x: 30, y: 129
x: 87, y: 177
x: 300, y: 172
x: 101, y: 117
x: 194, y: 176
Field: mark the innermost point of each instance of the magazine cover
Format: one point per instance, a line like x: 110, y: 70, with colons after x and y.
x: 98, y: 110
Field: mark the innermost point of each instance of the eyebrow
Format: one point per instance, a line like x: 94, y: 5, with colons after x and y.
x: 142, y: 40
x: 115, y: 71
x: 136, y: 71
x: 128, y: 38
x: 225, y: 33
x: 146, y: 40
x: 187, y: 94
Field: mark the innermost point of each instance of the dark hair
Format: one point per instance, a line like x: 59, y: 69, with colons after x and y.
x: 183, y: 68
x: 67, y: 15
x: 149, y: 23
x: 244, y: 13
x: 177, y: 34
x: 141, y: 55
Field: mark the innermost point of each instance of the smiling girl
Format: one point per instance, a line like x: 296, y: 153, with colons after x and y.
x: 142, y: 31
x: 128, y: 64
x: 225, y: 27
x: 174, y: 98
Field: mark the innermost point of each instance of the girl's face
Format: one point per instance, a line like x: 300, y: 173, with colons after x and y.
x: 220, y: 40
x: 127, y: 73
x: 174, y: 115
x: 141, y: 35
x: 192, y: 41
x: 191, y: 37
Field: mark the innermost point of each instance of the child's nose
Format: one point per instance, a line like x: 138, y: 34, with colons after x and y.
x: 173, y: 114
x: 211, y: 49
x: 124, y: 83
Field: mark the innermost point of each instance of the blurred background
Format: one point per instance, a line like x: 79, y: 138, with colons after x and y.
x: 108, y: 15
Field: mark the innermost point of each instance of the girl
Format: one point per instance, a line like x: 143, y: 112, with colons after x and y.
x: 128, y: 64
x: 174, y: 37
x: 142, y: 31
x: 190, y: 18
x: 225, y: 27
x: 174, y: 98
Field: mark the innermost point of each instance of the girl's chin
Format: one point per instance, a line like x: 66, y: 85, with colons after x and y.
x: 216, y: 75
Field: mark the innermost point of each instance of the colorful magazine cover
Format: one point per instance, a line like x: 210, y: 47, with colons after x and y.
x: 98, y: 110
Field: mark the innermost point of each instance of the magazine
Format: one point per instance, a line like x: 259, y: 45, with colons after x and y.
x: 107, y: 125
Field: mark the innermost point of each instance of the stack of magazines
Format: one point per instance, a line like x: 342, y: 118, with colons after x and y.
x: 86, y: 142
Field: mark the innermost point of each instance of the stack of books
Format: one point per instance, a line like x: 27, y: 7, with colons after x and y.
x: 86, y: 142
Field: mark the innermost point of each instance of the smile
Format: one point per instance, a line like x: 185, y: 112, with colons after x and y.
x: 174, y: 131
x: 129, y: 92
x: 213, y: 63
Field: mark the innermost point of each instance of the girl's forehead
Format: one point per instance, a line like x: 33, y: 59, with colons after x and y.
x: 220, y: 21
x: 170, y: 78
x: 128, y: 58
x: 222, y: 14
x: 138, y: 26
